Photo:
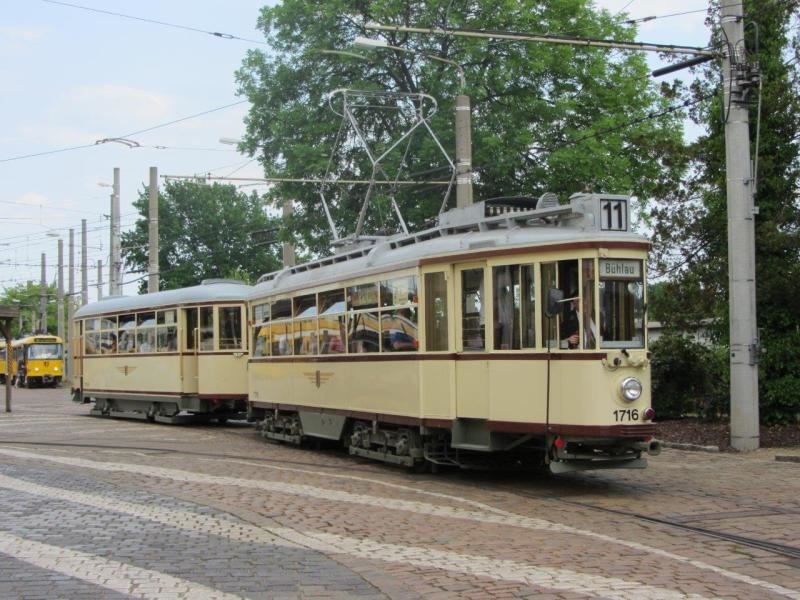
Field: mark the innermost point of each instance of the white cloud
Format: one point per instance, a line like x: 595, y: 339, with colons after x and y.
x: 121, y: 104
x: 23, y: 34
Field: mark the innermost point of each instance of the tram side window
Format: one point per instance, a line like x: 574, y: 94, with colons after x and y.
x: 146, y: 332
x: 108, y: 335
x: 261, y: 330
x: 305, y: 324
x: 363, y: 326
x: 399, y: 323
x: 281, y: 330
x: 436, y: 312
x: 621, y: 304
x: 167, y: 331
x: 473, y: 324
x: 549, y: 325
x: 507, y: 307
x: 587, y: 304
x: 127, y: 333
x: 332, y: 328
x: 91, y: 340
x: 206, y: 328
x: 230, y: 328
x: 190, y: 315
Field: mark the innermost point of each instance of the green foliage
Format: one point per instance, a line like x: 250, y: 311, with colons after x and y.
x: 691, y: 244
x: 204, y: 232
x: 780, y: 380
x: 27, y: 296
x: 688, y: 379
x: 531, y: 103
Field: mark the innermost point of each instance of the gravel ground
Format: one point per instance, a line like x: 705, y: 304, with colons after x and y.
x: 693, y: 431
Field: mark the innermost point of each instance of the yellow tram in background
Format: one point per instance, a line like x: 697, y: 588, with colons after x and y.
x: 37, y: 360
x: 3, y: 367
x: 511, y: 332
x: 170, y: 356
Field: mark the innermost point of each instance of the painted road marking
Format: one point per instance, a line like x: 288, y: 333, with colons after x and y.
x: 106, y: 573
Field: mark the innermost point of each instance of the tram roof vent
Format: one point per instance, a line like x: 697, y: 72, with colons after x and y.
x: 214, y: 281
x: 547, y: 200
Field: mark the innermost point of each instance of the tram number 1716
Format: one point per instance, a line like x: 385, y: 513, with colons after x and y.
x: 628, y: 414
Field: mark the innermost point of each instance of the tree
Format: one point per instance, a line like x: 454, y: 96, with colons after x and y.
x: 544, y: 118
x: 692, y: 228
x: 27, y: 296
x: 204, y: 232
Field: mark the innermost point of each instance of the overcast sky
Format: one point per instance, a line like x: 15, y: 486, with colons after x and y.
x: 71, y: 77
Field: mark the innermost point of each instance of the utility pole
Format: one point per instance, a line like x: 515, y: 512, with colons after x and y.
x: 99, y: 280
x: 84, y: 265
x: 152, y: 270
x: 288, y: 247
x: 463, y: 151
x: 115, y: 264
x: 60, y: 291
x: 43, y: 297
x: 739, y: 77
x: 70, y: 306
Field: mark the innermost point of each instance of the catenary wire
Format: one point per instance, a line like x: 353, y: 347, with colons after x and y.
x: 217, y: 34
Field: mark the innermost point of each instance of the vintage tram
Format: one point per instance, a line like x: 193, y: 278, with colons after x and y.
x: 37, y: 360
x: 513, y: 330
x: 170, y: 356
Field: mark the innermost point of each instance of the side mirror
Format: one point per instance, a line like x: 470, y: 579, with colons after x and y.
x: 554, y: 299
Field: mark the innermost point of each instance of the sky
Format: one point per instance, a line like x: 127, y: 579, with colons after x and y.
x: 71, y: 77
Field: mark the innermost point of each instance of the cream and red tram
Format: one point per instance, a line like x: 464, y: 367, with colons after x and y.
x: 445, y: 346
x: 168, y: 356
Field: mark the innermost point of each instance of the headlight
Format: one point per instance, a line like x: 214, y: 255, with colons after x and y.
x: 631, y: 389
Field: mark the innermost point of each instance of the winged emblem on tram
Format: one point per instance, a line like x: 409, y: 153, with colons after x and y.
x: 318, y: 377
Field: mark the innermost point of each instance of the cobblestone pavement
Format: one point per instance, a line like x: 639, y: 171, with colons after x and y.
x: 99, y: 508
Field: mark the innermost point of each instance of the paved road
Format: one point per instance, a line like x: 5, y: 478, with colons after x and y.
x: 97, y: 508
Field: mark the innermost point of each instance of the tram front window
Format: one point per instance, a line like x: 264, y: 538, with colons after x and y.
x: 44, y: 352
x: 621, y: 304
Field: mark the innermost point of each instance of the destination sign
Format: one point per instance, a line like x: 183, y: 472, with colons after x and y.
x: 620, y: 269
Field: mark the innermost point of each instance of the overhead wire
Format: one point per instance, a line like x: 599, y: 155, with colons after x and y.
x: 217, y: 34
x: 127, y: 135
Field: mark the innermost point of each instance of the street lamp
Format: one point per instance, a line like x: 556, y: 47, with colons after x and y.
x: 463, y: 125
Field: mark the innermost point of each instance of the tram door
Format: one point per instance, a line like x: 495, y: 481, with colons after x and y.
x: 189, y: 356
x: 472, y: 368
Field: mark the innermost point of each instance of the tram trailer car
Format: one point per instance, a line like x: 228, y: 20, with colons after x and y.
x: 510, y: 333
x: 38, y: 360
x: 171, y: 356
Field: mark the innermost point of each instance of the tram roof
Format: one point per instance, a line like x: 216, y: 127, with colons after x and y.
x: 450, y: 238
x: 210, y: 290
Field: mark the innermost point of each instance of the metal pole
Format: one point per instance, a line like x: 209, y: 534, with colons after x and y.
x: 288, y: 247
x: 115, y: 266
x: 99, y: 280
x: 153, y: 274
x: 43, y: 297
x: 463, y: 152
x: 60, y: 291
x: 741, y: 236
x: 84, y: 266
x: 70, y: 307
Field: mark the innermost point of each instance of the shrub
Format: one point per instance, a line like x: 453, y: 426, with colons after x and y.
x: 688, y: 379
